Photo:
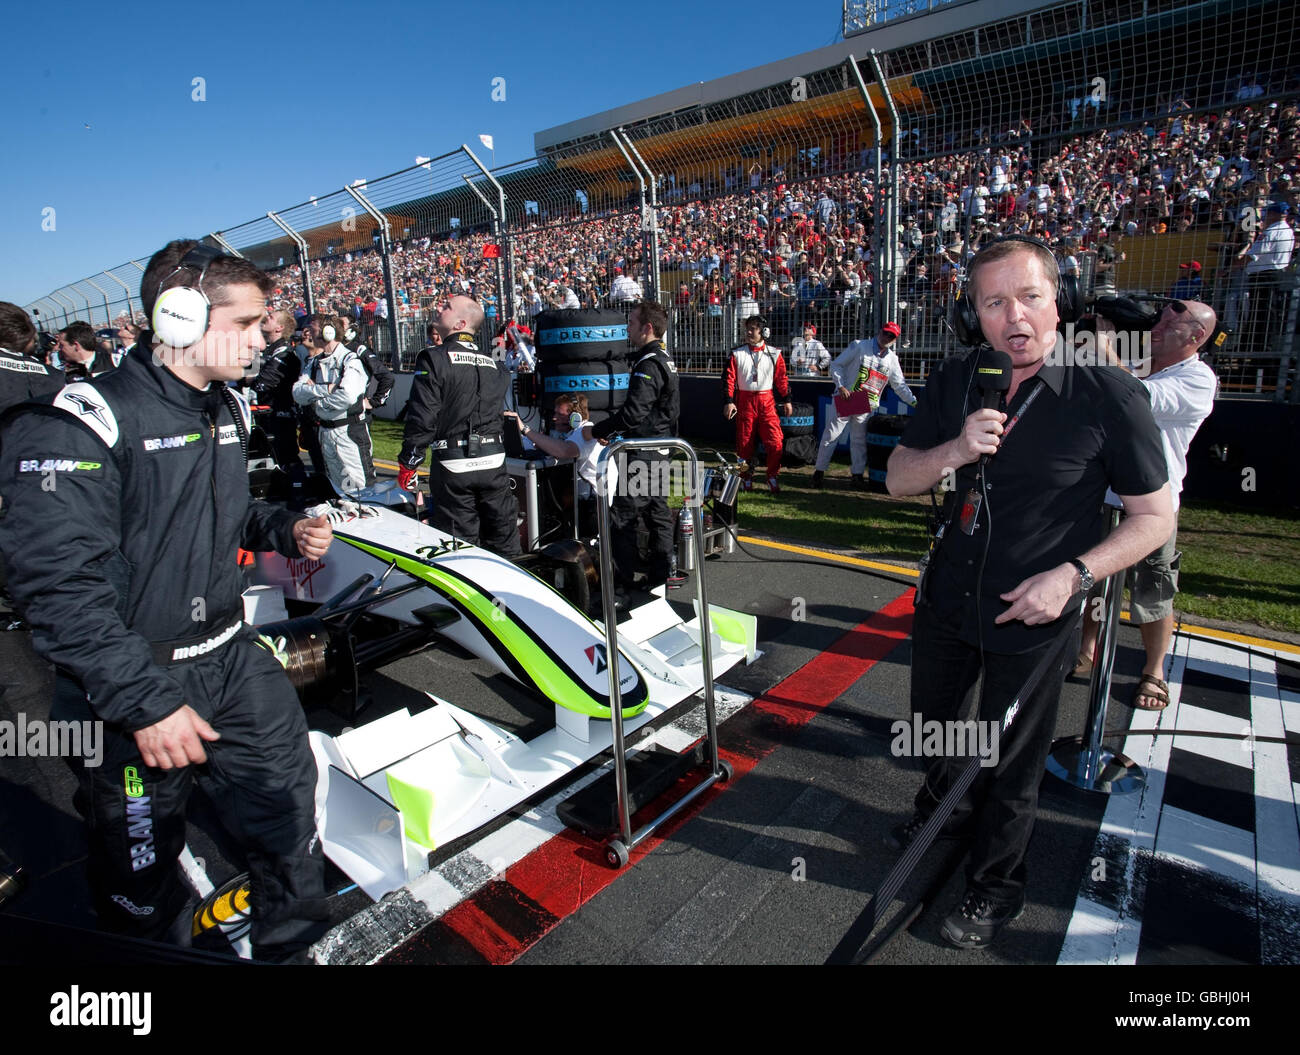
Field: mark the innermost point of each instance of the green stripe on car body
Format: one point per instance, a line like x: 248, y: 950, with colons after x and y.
x: 547, y: 675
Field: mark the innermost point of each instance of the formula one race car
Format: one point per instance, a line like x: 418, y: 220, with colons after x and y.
x: 393, y: 790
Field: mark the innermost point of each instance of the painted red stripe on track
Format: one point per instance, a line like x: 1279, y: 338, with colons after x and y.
x: 481, y: 931
x: 569, y: 870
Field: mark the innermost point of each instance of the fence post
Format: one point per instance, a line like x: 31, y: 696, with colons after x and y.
x: 496, y: 234
x: 505, y: 306
x: 50, y: 317
x: 225, y: 246
x: 1289, y: 363
x: 65, y: 303
x: 877, y: 295
x: 90, y: 312
x: 645, y: 247
x: 300, y: 243
x: 652, y: 217
x: 890, y: 302
x: 130, y: 308
x: 382, y: 221
x: 108, y: 312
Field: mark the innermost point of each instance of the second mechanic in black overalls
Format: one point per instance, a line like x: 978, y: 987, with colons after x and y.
x: 455, y: 408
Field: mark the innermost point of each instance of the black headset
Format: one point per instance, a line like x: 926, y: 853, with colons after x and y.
x: 965, y: 320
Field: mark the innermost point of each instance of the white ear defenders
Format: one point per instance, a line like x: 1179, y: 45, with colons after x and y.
x: 328, y: 332
x: 180, y: 314
x: 575, y: 419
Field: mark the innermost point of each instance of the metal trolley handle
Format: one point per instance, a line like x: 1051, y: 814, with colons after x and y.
x: 618, y: 849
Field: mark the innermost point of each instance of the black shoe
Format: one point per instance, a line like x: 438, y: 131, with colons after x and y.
x: 859, y: 482
x: 817, y: 480
x: 901, y: 836
x: 977, y: 922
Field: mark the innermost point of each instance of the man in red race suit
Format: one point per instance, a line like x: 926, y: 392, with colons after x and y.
x: 754, y: 372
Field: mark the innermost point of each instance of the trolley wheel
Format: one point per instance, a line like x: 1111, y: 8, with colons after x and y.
x: 725, y: 772
x: 616, y: 854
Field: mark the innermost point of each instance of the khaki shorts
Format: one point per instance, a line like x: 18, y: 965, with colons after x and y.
x: 1153, y: 584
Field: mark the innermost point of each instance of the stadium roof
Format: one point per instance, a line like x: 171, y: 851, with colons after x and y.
x: 895, y: 33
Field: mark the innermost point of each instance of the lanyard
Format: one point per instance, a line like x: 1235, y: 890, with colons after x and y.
x: 1020, y: 413
x: 967, y: 512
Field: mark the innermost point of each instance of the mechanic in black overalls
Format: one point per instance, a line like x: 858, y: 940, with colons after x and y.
x: 124, y: 504
x: 455, y: 408
x: 650, y: 411
x: 273, y: 388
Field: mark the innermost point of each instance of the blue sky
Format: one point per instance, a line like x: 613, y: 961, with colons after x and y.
x: 302, y: 100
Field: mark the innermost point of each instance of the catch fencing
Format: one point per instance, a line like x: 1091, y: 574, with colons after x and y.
x: 1143, y: 139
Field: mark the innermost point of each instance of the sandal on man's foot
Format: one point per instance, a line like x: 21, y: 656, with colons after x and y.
x: 1149, y: 687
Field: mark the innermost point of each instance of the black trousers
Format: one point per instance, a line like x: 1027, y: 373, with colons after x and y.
x: 260, y: 775
x: 1003, y: 802
x: 309, y: 434
x: 283, y: 435
x: 631, y: 511
x: 478, y: 507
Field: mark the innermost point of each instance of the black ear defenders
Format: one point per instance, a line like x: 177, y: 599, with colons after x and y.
x: 180, y: 314
x: 964, y: 319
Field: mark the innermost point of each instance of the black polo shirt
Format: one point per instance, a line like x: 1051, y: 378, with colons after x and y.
x: 1088, y: 428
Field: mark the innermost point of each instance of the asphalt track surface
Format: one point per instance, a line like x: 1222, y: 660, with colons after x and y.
x: 771, y: 867
x: 778, y: 863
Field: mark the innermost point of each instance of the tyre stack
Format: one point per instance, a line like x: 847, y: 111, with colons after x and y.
x: 800, y: 436
x: 583, y: 351
x: 883, y: 433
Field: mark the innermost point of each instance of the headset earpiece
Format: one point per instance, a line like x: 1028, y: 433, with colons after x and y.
x: 328, y: 332
x: 964, y: 318
x: 575, y: 420
x: 180, y: 314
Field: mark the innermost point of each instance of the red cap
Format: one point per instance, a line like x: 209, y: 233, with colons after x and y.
x: 891, y: 327
x: 811, y: 326
x: 1191, y: 265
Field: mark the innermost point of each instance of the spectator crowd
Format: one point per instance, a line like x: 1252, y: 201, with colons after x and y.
x: 798, y: 245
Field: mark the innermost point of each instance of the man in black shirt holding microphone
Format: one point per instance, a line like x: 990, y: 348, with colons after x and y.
x: 1022, y: 536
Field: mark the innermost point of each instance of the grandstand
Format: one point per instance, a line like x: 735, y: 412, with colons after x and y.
x: 1150, y: 132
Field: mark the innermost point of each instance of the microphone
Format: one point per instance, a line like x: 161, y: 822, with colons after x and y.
x: 993, y: 375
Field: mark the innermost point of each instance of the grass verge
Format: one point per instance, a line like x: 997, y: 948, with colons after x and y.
x: 1237, y: 567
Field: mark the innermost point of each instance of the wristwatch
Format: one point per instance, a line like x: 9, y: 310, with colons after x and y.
x: 1086, y: 580
x: 524, y: 430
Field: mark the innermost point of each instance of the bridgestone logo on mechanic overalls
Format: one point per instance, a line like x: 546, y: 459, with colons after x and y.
x: 472, y: 359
